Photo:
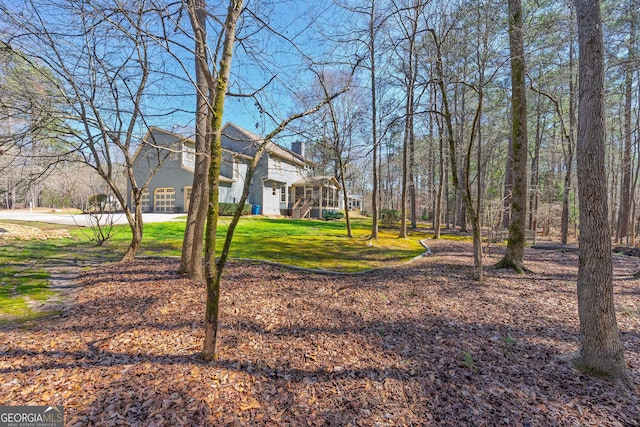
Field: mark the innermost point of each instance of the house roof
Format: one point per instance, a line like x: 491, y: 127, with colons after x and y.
x: 248, y: 143
x: 235, y: 140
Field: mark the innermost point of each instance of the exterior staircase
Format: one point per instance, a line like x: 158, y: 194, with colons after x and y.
x: 301, y: 208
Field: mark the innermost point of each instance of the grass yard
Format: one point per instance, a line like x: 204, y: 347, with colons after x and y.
x: 303, y: 243
x: 322, y: 245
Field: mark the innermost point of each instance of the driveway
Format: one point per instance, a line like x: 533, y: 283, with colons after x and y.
x: 82, y: 220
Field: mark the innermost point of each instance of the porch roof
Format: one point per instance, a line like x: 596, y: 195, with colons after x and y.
x: 316, y: 181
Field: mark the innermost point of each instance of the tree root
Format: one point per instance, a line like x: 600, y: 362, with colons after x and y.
x: 508, y: 263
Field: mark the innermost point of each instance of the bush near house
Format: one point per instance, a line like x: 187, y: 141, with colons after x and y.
x: 328, y: 215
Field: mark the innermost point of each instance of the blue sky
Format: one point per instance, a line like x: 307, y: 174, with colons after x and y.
x: 280, y: 55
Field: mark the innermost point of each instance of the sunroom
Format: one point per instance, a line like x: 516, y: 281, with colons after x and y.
x: 314, y: 195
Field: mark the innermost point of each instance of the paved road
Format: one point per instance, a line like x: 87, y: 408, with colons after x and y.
x: 79, y: 220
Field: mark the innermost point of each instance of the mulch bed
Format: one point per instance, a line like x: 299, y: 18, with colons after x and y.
x: 420, y: 344
x: 23, y: 232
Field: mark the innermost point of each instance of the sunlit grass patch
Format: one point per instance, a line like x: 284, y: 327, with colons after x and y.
x: 18, y: 287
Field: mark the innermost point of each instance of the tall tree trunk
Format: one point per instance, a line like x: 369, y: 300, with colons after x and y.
x: 625, y: 188
x: 192, y: 244
x: 447, y: 196
x: 508, y: 186
x: 514, y: 256
x: 634, y: 183
x: 569, y: 137
x: 374, y: 124
x: 462, y: 187
x: 412, y: 177
x: 535, y: 170
x: 408, y: 180
x: 213, y: 274
x: 406, y: 164
x: 601, y: 350
x: 474, y: 212
x: 441, y: 184
x: 613, y: 195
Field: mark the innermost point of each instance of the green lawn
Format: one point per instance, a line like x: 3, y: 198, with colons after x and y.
x: 303, y: 243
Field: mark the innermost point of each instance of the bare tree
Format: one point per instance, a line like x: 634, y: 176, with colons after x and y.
x: 30, y: 122
x: 408, y: 17
x: 102, y: 61
x: 622, y: 229
x: 343, y: 123
x: 463, y: 186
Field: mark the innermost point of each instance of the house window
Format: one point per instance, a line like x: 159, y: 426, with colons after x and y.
x: 164, y: 199
x: 188, y: 156
x: 283, y: 194
x: 273, y: 189
x: 175, y: 152
x: 236, y: 170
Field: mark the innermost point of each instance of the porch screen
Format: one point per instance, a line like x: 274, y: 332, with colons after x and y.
x: 330, y: 198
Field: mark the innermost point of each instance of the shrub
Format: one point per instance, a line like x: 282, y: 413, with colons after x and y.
x: 328, y: 215
x: 388, y: 217
x: 98, y: 201
x: 228, y: 209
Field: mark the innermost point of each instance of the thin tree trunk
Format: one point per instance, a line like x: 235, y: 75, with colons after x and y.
x: 447, y: 208
x: 634, y: 184
x: 569, y: 136
x: 374, y: 125
x: 345, y: 200
x: 625, y: 189
x: 212, y: 272
x: 601, y: 351
x: 535, y: 168
x: 441, y: 185
x: 508, y: 186
x: 412, y: 177
x: 462, y: 187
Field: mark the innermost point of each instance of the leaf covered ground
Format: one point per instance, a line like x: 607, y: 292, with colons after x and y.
x: 420, y: 344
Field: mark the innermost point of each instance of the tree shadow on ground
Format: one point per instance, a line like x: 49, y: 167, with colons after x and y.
x: 408, y: 346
